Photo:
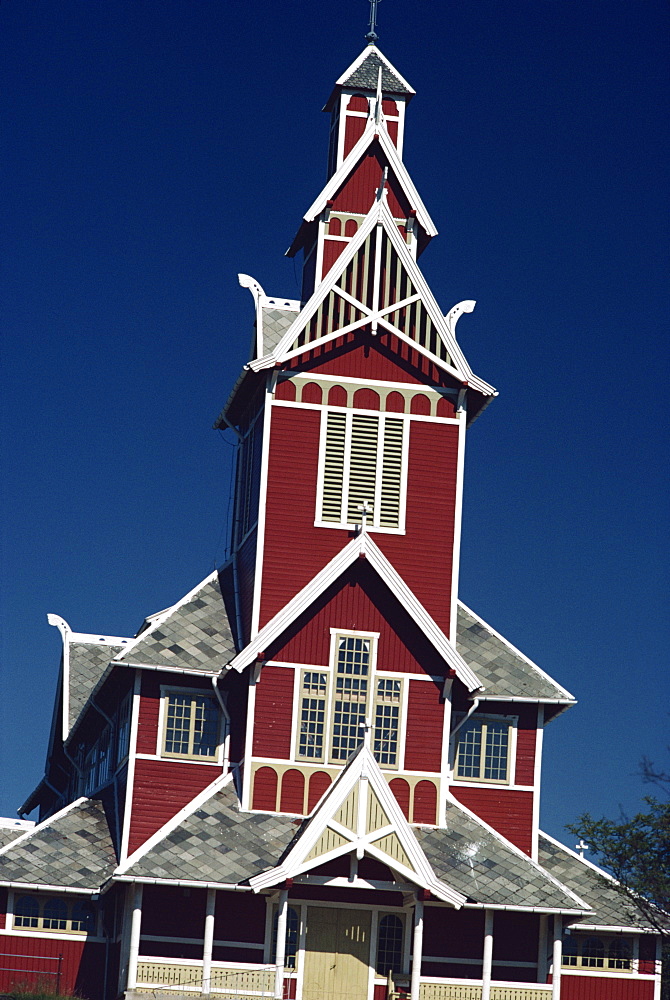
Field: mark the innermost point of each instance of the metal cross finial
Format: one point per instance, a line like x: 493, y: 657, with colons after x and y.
x: 367, y: 732
x: 372, y: 34
x: 581, y: 847
x: 365, y: 510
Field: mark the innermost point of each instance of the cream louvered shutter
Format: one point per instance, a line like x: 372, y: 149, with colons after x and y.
x: 333, y: 469
x: 388, y: 515
x: 362, y: 466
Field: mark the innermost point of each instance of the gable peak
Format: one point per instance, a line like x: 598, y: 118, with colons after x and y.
x: 363, y: 74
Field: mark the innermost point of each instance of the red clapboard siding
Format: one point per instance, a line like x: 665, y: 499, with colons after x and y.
x: 592, y: 988
x: 331, y: 251
x: 508, y: 811
x: 425, y: 803
x: 318, y: 783
x: 400, y: 789
x: 150, y: 695
x: 292, y: 791
x: 160, y: 789
x: 425, y: 718
x: 3, y: 908
x: 526, y: 737
x: 265, y: 789
x: 353, y: 130
x: 515, y: 937
x: 646, y: 966
x: 359, y: 601
x: 358, y: 192
x: 273, y: 712
x: 453, y: 934
x: 384, y: 357
x: 171, y: 912
x: 30, y: 960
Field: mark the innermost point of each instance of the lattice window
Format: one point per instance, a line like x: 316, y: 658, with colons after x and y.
x: 362, y: 469
x: 314, y: 691
x: 192, y: 726
x: 387, y: 722
x: 483, y: 751
x: 350, y: 696
x: 54, y: 914
x: 612, y: 953
x: 389, y: 944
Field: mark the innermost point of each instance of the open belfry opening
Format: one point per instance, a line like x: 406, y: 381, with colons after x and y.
x: 317, y: 774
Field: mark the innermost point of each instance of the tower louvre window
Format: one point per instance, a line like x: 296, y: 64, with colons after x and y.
x: 362, y: 468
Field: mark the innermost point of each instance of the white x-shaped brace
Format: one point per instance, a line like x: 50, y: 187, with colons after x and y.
x: 360, y: 840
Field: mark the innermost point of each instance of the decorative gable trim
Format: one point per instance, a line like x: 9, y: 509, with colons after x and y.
x: 368, y: 51
x: 376, y: 316
x: 359, y: 812
x: 361, y: 545
x: 373, y: 130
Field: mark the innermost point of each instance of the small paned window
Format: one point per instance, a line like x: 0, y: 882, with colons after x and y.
x: 123, y: 728
x: 192, y: 726
x: 292, y: 928
x: 312, y: 715
x: 54, y: 913
x: 483, y: 751
x: 613, y: 953
x: 362, y: 470
x: 26, y: 912
x: 389, y: 945
x: 350, y: 697
x: 248, y: 477
x: 387, y: 722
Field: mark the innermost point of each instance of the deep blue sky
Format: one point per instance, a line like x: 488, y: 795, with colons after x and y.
x: 154, y: 149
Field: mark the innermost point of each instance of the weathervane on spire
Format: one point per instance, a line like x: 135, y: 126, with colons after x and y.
x: 372, y: 34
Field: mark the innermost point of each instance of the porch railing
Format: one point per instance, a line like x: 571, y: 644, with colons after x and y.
x: 237, y: 982
x: 473, y: 991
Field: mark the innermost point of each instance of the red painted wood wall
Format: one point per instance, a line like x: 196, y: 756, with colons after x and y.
x: 273, y: 714
x: 606, y: 988
x: 422, y: 556
x: 82, y: 967
x: 505, y: 809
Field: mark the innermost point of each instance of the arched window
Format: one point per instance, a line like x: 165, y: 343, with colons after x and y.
x: 618, y: 954
x: 570, y: 950
x: 593, y: 953
x: 291, y: 938
x: 26, y: 912
x: 389, y: 945
x: 55, y: 914
x: 82, y: 917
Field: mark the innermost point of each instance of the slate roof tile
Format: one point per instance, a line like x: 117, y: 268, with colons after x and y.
x: 74, y: 849
x: 366, y: 75
x: 275, y: 324
x: 88, y: 662
x: 501, y: 669
x: 472, y: 860
x: 195, y: 635
x: 611, y: 908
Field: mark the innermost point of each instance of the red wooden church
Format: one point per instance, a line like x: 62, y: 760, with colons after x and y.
x: 317, y: 775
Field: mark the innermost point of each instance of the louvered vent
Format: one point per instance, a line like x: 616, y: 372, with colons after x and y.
x: 333, y: 470
x: 389, y: 502
x: 363, y: 466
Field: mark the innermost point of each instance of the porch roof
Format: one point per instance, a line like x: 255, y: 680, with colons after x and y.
x: 70, y: 850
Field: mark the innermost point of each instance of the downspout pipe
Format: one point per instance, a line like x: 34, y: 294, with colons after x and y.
x: 473, y: 708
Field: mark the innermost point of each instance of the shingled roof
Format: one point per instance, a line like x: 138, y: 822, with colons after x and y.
x: 366, y: 74
x: 611, y: 908
x: 218, y: 843
x: 472, y: 859
x: 88, y: 662
x: 195, y: 634
x: 72, y: 849
x: 502, y: 669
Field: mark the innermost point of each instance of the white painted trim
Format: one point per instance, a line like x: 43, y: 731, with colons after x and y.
x: 537, y: 780
x: 523, y: 656
x: 458, y: 520
x: 132, y: 752
x: 249, y: 739
x: 361, y: 545
x: 219, y: 782
x: 368, y: 50
x: 44, y: 887
x: 180, y: 760
x: 262, y: 507
x: 165, y: 691
x: 425, y: 390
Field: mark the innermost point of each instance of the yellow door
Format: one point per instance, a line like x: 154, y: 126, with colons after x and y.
x: 337, y: 954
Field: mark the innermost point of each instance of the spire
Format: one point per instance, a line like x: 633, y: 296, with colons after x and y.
x: 372, y: 34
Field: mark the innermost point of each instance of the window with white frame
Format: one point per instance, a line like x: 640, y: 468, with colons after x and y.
x: 334, y: 706
x: 389, y: 944
x: 191, y: 726
x: 612, y: 953
x: 483, y: 751
x: 363, y: 467
x: 53, y: 913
